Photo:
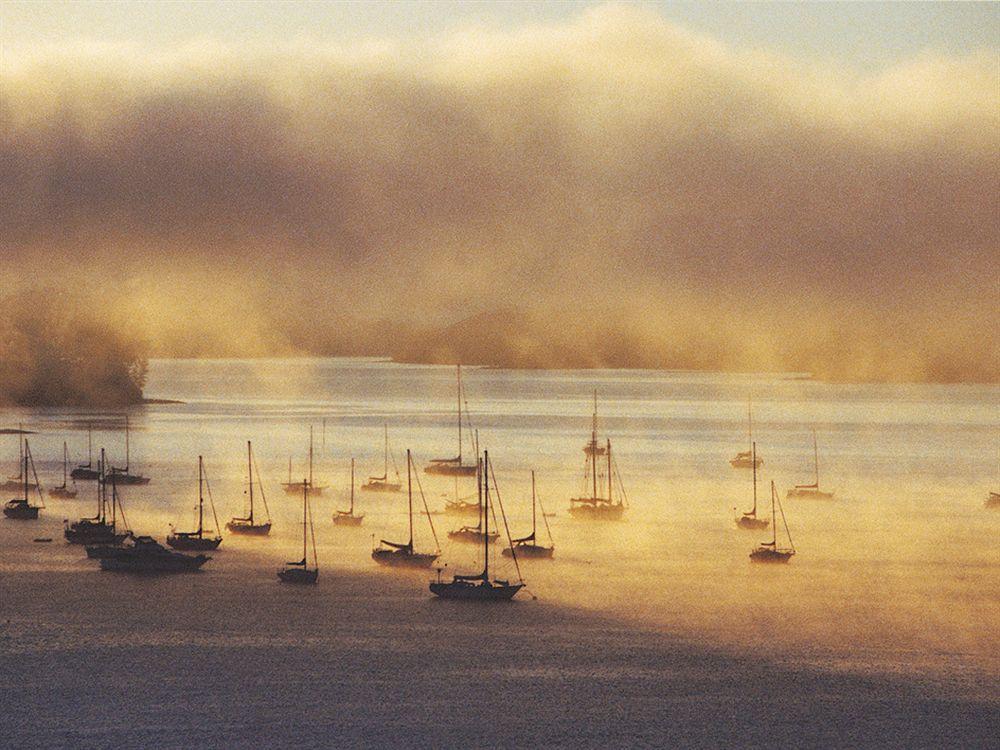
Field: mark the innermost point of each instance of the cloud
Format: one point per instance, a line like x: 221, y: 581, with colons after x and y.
x: 611, y: 168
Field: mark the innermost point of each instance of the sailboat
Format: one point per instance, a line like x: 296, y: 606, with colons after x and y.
x: 248, y: 525
x: 300, y: 572
x: 98, y: 529
x: 382, y: 483
x: 810, y: 491
x: 453, y: 466
x: 480, y: 587
x: 100, y: 546
x: 770, y: 552
x: 750, y: 520
x: 87, y: 470
x: 294, y: 488
x: 16, y: 483
x: 747, y: 459
x: 593, y: 448
x: 63, y: 490
x: 528, y: 546
x: 596, y: 507
x: 348, y: 517
x: 20, y: 508
x: 198, y: 539
x: 474, y: 534
x: 402, y: 554
x: 122, y: 475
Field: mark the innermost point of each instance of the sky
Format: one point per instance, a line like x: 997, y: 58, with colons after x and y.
x: 806, y: 187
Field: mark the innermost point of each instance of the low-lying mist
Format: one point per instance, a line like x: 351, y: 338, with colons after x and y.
x: 613, y: 191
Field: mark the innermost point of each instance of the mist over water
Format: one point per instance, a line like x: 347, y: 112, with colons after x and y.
x: 897, y: 575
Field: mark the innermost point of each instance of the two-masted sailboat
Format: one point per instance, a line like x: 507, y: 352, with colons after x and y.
x: 810, y: 491
x: 454, y: 466
x: 593, y: 448
x: 382, y: 483
x: 21, y: 508
x: 399, y: 554
x: 64, y: 490
x: 300, y: 572
x: 250, y: 525
x: 201, y: 538
x: 349, y: 517
x: 528, y: 546
x: 87, y: 470
x: 481, y: 587
x: 595, y: 506
x: 98, y: 529
x: 294, y: 488
x: 746, y: 459
x: 123, y: 475
x: 16, y: 483
x: 770, y: 552
x: 750, y: 520
x: 474, y: 534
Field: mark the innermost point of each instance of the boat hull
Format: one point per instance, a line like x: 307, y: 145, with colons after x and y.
x: 798, y: 493
x: 247, y: 529
x: 298, y: 575
x: 381, y: 487
x: 93, y: 534
x: 295, y: 488
x: 470, y: 536
x: 478, y: 592
x: 993, y: 501
x: 192, y: 542
x: 745, y: 463
x: 82, y: 473
x: 128, y: 561
x: 402, y: 559
x: 129, y: 479
x: 450, y: 470
x: 599, y: 512
x: 752, y: 524
x: 461, y: 509
x: 63, y: 493
x: 534, y: 551
x: 20, y: 511
x: 768, y: 555
x: 346, y: 519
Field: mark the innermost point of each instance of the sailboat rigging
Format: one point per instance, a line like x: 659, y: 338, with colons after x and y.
x: 474, y: 534
x: 750, y: 520
x: 810, y: 491
x: 249, y: 525
x: 348, y: 517
x: 21, y: 508
x: 454, y: 466
x: 746, y: 459
x: 63, y: 490
x: 198, y: 539
x: 87, y: 470
x: 528, y: 546
x: 98, y: 529
x: 481, y: 587
x: 300, y: 572
x: 593, y: 448
x: 293, y: 488
x: 382, y: 483
x: 122, y: 475
x: 403, y: 554
x: 770, y: 552
x: 16, y: 483
x: 594, y: 506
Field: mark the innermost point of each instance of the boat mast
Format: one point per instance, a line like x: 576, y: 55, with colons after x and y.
x: 126, y: 445
x: 609, y: 472
x: 103, y: 486
x: 774, y: 518
x: 352, y: 486
x: 593, y: 473
x: 459, y: 414
x: 305, y: 520
x: 201, y: 499
x: 65, y: 462
x: 310, y: 455
x: 409, y: 493
x: 20, y: 449
x: 753, y: 458
x: 749, y: 424
x: 250, y: 478
x: 90, y: 446
x: 385, y: 455
x: 486, y: 517
x: 533, y: 520
x: 24, y: 463
x: 815, y: 460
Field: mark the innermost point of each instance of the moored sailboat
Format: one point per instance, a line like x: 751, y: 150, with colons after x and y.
x: 473, y: 534
x: 87, y: 470
x: 198, y: 539
x: 770, y: 552
x: 528, y: 546
x: 593, y: 448
x: 481, y: 587
x: 300, y: 572
x: 101, y: 543
x: 595, y: 506
x: 810, y: 491
x: 348, y: 517
x: 750, y: 520
x: 294, y: 488
x: 63, y: 490
x: 399, y: 554
x: 21, y: 508
x: 382, y: 483
x: 123, y: 476
x: 747, y: 459
x: 16, y: 483
x: 98, y: 529
x: 454, y: 466
x: 249, y: 525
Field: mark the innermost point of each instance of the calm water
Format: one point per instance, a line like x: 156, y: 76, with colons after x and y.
x: 899, y: 575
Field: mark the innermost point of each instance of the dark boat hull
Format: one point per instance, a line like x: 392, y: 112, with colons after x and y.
x: 400, y: 559
x: 534, y: 551
x: 298, y: 575
x: 101, y: 551
x: 82, y: 473
x: 128, y: 561
x: 461, y: 509
x: 598, y: 512
x: 193, y: 543
x: 745, y: 463
x: 346, y: 519
x: 478, y: 592
x: 470, y: 536
x: 21, y: 511
x: 295, y: 488
x: 129, y: 479
x: 246, y: 529
x: 94, y: 534
x: 767, y: 555
x: 381, y: 487
x: 450, y: 470
x: 752, y: 524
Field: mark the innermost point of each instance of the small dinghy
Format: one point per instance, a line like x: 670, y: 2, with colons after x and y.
x: 528, y: 546
x: 349, y: 517
x: 300, y: 572
x: 382, y: 483
x: 63, y: 490
x: 249, y: 525
x: 750, y: 520
x: 199, y: 539
x: 480, y: 587
x: 399, y: 554
x: 21, y: 508
x: 810, y: 491
x: 770, y: 552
